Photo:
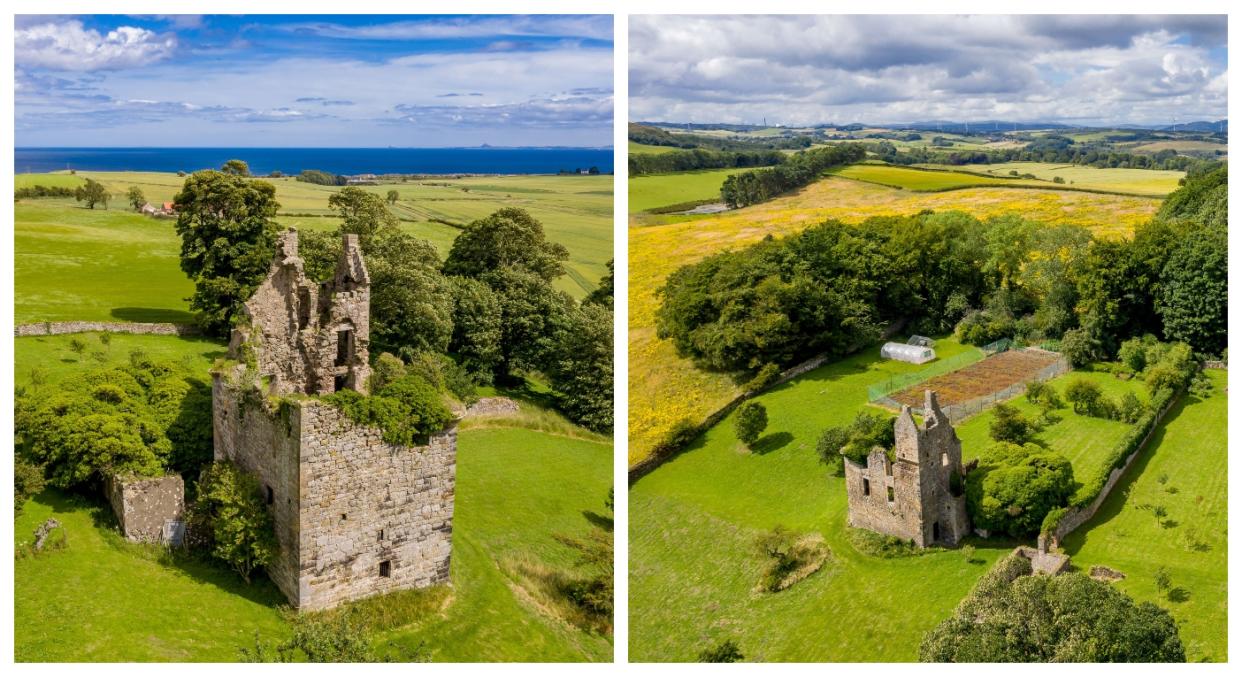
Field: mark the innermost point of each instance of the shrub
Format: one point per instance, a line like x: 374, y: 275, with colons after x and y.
x: 750, y: 422
x: 1078, y: 347
x: 765, y: 377
x: 866, y: 432
x: 27, y: 481
x: 829, y: 446
x: 1014, y: 487
x: 1133, y: 353
x: 791, y: 557
x: 231, y: 510
x: 406, y: 411
x: 678, y: 437
x: 1010, y: 425
x: 1084, y: 395
x: 1130, y: 409
x: 387, y: 368
x: 724, y: 652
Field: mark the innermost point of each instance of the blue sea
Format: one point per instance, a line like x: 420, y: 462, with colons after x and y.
x: 333, y: 160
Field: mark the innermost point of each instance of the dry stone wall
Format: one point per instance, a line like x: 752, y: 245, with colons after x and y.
x: 75, y: 327
x: 144, y: 507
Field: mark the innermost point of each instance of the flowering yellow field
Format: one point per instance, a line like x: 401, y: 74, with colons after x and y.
x: 665, y: 388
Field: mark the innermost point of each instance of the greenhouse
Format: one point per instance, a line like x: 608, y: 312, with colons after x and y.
x: 907, y: 353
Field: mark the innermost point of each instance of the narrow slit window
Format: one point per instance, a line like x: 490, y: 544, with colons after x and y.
x: 271, y: 495
x: 866, y: 487
x: 386, y: 569
x: 890, y: 494
x: 381, y: 534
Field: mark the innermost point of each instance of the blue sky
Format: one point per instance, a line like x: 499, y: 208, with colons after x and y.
x: 1103, y: 69
x: 305, y: 80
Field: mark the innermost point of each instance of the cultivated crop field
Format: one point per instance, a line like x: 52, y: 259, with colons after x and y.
x: 1184, y: 469
x: 1147, y: 182
x: 694, y: 563
x: 503, y: 475
x: 639, y: 148
x: 575, y: 211
x: 989, y: 375
x: 665, y: 388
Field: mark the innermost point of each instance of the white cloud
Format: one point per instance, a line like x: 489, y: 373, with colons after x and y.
x: 69, y: 46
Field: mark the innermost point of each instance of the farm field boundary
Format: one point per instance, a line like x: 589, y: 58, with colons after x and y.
x: 75, y: 327
x: 1009, y: 182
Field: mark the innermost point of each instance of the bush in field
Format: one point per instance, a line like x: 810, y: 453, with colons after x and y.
x: 1130, y: 409
x: 1010, y: 425
x: 28, y: 481
x: 1078, y: 348
x: 765, y: 377
x: 750, y: 422
x: 724, y: 652
x: 231, y: 511
x: 1014, y: 487
x: 1083, y: 395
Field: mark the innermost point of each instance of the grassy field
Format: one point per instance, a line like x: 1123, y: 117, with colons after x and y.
x: 665, y: 388
x: 1084, y: 440
x: 516, y: 489
x: 638, y: 148
x: 919, y: 180
x: 575, y: 211
x: 1183, y: 469
x: 693, y: 564
x: 1148, y: 182
x: 660, y: 190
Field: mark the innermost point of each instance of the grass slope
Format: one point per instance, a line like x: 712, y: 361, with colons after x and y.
x: 665, y: 388
x: 1148, y: 182
x: 1189, y: 451
x: 661, y: 190
x: 516, y: 488
x: 924, y: 181
x: 693, y: 523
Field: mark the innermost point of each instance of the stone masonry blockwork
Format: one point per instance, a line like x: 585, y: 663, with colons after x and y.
x: 919, y: 495
x: 355, y: 516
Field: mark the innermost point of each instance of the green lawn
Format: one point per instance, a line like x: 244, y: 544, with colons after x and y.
x: 1084, y: 440
x: 575, y: 211
x: 639, y: 148
x: 1189, y: 453
x: 662, y: 190
x: 694, y: 520
x: 516, y: 489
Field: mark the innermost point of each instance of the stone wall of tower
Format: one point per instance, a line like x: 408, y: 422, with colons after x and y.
x: 917, y: 496
x: 376, y: 517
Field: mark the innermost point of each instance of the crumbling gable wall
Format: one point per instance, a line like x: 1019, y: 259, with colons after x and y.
x: 919, y: 495
x: 145, y: 506
x: 306, y: 337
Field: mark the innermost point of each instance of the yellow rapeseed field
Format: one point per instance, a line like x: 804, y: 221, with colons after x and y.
x: 665, y: 388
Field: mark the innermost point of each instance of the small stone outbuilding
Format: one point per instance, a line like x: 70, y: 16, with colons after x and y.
x: 148, y: 509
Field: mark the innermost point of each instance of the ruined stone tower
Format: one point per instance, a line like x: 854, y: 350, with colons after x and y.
x: 918, y: 496
x: 354, y: 515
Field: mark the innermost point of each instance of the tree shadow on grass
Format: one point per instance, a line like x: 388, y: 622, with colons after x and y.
x: 770, y: 443
x: 130, y: 314
x: 602, y: 521
x: 1179, y: 595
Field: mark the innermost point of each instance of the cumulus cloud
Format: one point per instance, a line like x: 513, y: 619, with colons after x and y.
x: 598, y: 27
x: 817, y: 69
x: 69, y: 46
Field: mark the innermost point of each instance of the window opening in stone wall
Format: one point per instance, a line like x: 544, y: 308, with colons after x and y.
x: 304, y: 309
x: 381, y: 534
x: 343, y: 517
x: 271, y: 495
x: 890, y: 494
x: 866, y: 487
x: 386, y: 569
x: 338, y: 383
x: 344, y: 346
x: 935, y: 531
x: 944, y: 458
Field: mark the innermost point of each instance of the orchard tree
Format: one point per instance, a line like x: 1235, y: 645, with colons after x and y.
x: 1009, y: 425
x: 228, y: 239
x: 1084, y: 395
x: 750, y: 422
x: 135, y: 197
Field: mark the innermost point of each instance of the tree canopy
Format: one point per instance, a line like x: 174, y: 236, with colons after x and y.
x: 1014, y: 487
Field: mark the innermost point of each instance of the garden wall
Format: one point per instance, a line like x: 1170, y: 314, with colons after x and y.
x: 77, y: 327
x: 1075, y: 517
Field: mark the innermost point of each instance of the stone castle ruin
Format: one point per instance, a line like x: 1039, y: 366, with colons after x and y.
x: 919, y: 495
x: 354, y: 515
